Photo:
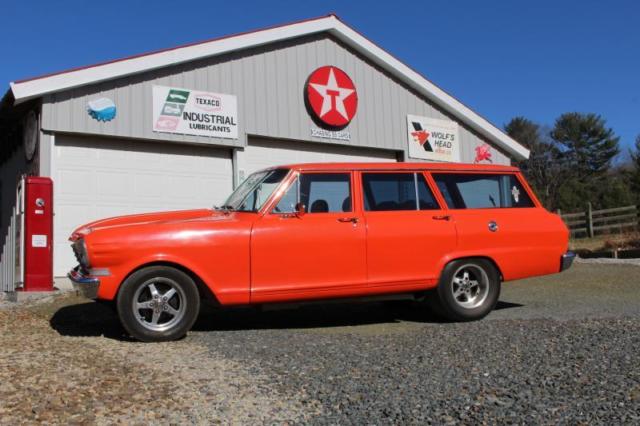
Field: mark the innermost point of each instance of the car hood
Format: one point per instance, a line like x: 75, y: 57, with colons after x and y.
x: 145, y: 218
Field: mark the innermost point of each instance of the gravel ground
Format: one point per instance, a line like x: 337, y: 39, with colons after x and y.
x: 560, y: 349
x: 536, y: 371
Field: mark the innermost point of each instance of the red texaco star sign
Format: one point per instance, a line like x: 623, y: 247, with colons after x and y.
x: 332, y: 96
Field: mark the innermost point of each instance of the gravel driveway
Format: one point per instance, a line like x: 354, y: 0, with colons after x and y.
x: 559, y: 349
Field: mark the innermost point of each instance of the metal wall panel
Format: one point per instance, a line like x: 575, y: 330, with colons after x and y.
x: 269, y: 83
x: 8, y: 256
x: 9, y: 177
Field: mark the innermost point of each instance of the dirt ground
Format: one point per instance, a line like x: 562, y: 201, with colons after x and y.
x: 103, y: 377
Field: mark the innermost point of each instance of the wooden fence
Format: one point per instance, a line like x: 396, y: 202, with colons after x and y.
x: 593, y: 222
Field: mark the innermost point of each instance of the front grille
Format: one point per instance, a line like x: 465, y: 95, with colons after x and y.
x: 78, y: 251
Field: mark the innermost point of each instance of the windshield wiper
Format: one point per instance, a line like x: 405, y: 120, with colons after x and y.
x: 224, y: 207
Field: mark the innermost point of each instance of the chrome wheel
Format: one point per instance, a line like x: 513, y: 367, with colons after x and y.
x: 159, y: 304
x: 470, y: 286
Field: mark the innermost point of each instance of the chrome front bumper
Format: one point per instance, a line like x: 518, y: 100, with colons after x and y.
x: 567, y: 260
x: 87, y: 286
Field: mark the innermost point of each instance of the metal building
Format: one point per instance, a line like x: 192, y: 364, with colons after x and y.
x: 178, y: 128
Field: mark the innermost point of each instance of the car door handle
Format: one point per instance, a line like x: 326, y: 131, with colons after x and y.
x: 442, y: 217
x: 353, y: 220
x: 493, y: 226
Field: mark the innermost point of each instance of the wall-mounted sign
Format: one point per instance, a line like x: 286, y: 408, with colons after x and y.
x: 433, y: 139
x: 483, y: 153
x: 190, y: 112
x: 341, y: 135
x: 102, y: 109
x: 331, y: 97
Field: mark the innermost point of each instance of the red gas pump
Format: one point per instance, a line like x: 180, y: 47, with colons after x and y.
x: 37, y: 238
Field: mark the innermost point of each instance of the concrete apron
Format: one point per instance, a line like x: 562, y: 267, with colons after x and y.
x: 60, y: 285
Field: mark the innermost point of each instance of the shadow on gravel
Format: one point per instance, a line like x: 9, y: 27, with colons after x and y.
x: 326, y: 315
x: 310, y: 316
x: 97, y: 319
x: 506, y: 305
x: 90, y: 319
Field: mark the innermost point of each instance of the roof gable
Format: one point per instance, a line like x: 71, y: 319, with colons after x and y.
x: 36, y: 87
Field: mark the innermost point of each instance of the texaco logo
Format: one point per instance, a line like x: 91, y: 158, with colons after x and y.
x: 331, y: 96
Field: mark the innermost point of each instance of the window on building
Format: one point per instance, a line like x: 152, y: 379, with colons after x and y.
x: 396, y: 191
x: 319, y: 193
x: 482, y: 191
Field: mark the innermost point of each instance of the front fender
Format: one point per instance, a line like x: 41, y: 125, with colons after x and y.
x: 110, y: 285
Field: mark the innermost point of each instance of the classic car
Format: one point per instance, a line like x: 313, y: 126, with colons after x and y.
x: 445, y: 234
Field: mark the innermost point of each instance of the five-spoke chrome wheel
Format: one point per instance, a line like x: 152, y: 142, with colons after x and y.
x: 159, y: 303
x: 468, y: 290
x: 470, y: 286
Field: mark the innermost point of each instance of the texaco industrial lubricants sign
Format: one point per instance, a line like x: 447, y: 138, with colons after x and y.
x: 432, y: 139
x: 191, y: 112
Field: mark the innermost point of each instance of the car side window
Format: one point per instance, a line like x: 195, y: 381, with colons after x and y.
x: 396, y: 192
x: 425, y: 197
x: 481, y: 191
x: 287, y: 203
x: 319, y: 193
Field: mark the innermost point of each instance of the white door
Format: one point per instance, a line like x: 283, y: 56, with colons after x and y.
x: 260, y: 154
x: 97, y: 178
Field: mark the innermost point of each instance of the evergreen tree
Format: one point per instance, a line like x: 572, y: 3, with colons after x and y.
x: 634, y: 175
x: 545, y: 168
x: 589, y: 144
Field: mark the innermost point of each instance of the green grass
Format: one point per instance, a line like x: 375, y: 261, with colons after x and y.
x: 606, y: 242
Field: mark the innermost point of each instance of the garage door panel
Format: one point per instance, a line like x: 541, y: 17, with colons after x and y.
x: 74, y: 182
x: 72, y: 214
x: 112, y: 184
x: 145, y: 185
x: 118, y: 156
x: 99, y: 178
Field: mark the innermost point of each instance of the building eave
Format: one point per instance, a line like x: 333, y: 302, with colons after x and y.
x: 39, y: 86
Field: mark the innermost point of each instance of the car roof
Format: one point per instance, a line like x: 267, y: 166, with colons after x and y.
x: 401, y: 166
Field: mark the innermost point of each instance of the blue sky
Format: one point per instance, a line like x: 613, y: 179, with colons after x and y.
x: 502, y: 58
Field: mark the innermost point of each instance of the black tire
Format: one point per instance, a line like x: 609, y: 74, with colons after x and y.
x: 156, y: 318
x: 458, y: 300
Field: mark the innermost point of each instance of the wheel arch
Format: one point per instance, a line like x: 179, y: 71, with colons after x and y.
x: 205, y: 292
x: 471, y: 257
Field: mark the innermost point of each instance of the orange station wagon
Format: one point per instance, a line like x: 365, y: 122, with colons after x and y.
x: 445, y: 234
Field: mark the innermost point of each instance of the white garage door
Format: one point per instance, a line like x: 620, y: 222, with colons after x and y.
x: 262, y: 153
x: 99, y: 178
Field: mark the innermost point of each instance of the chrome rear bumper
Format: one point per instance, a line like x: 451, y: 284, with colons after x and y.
x: 86, y: 285
x: 567, y: 260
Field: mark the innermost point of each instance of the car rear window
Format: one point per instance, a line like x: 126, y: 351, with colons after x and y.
x: 396, y: 191
x: 482, y: 191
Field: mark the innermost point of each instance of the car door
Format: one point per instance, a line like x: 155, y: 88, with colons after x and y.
x: 408, y: 232
x: 495, y: 216
x: 316, y: 252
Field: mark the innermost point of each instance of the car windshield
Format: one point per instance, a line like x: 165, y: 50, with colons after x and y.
x: 251, y: 195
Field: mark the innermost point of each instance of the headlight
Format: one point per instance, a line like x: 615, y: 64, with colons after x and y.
x: 80, y: 250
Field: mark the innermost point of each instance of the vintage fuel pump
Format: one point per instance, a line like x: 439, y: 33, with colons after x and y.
x: 35, y: 206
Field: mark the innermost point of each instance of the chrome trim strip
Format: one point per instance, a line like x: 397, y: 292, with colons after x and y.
x: 100, y: 272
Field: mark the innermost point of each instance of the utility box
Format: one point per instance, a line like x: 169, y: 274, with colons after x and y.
x: 36, y: 236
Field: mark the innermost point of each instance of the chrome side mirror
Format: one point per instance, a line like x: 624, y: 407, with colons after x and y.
x: 300, y: 209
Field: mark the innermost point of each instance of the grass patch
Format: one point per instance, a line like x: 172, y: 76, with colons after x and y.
x: 627, y: 240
